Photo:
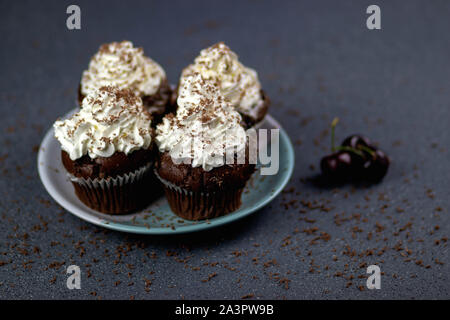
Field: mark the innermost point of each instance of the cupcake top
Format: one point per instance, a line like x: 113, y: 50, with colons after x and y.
x: 110, y: 120
x: 204, y: 128
x: 237, y: 83
x: 120, y: 64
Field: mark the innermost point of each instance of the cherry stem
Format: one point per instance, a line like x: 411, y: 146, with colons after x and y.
x: 333, y: 126
x: 368, y: 150
x: 350, y: 149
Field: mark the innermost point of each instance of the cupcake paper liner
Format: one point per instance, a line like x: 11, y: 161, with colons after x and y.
x: 192, y: 205
x: 119, y: 195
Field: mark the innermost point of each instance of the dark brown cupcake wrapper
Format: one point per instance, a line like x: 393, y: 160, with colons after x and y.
x: 116, y: 181
x: 119, y: 195
x: 192, y: 205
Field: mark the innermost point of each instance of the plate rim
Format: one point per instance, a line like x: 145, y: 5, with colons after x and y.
x: 216, y: 222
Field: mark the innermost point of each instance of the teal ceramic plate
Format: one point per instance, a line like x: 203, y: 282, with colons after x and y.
x: 158, y: 218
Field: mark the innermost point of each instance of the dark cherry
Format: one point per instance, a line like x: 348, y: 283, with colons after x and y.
x: 366, y: 151
x: 356, y: 140
x: 356, y: 159
x: 337, y: 166
x: 376, y: 167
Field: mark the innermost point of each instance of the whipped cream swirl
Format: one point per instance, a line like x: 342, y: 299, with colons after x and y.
x: 120, y: 64
x: 237, y: 83
x: 205, y: 129
x: 110, y: 120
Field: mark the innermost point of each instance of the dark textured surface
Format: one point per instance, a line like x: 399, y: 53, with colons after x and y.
x: 316, y: 60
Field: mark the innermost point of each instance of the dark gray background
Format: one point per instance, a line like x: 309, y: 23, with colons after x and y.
x: 316, y: 60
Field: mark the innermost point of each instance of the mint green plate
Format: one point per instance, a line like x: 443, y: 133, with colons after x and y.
x: 158, y: 218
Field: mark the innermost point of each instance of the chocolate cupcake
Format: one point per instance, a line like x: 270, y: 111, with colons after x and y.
x: 237, y: 83
x: 121, y: 65
x: 203, y: 162
x: 108, y: 152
